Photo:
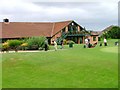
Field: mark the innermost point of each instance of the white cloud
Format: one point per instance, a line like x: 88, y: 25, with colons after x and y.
x: 93, y: 15
x: 14, y: 7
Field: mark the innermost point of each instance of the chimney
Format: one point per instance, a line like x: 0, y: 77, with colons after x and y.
x: 6, y: 21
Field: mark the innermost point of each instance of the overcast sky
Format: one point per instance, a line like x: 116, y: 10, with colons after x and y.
x: 93, y: 15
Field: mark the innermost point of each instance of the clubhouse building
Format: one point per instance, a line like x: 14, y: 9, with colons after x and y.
x: 69, y: 30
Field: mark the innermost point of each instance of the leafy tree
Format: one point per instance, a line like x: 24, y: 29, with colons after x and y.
x: 113, y: 33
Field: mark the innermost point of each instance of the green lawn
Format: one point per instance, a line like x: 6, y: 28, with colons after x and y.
x: 69, y: 68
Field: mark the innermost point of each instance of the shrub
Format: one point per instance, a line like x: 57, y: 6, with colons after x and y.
x: 70, y: 42
x: 0, y: 46
x: 14, y: 44
x: 34, y: 43
x: 4, y: 46
x: 99, y: 38
x: 24, y: 46
x: 65, y: 42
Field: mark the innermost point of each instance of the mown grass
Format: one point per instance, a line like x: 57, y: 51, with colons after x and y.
x: 68, y: 68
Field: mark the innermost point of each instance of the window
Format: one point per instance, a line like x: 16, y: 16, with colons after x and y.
x: 72, y: 24
x: 94, y: 38
x: 63, y: 30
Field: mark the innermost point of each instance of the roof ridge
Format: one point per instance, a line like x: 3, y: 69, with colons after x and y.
x: 52, y: 29
x: 44, y: 22
x: 68, y: 22
x: 64, y: 21
x: 29, y: 22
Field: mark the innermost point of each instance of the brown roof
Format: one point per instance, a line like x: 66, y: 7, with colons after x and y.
x: 28, y: 29
x: 94, y: 33
x: 59, y: 26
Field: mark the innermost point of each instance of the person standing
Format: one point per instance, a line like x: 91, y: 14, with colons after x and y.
x: 61, y: 44
x: 105, y: 42
x: 46, y: 45
x: 89, y: 45
x: 86, y: 42
x: 55, y: 45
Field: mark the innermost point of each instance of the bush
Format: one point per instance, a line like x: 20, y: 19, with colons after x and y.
x: 65, y: 42
x: 24, y: 46
x: 34, y: 43
x: 14, y: 44
x: 0, y: 46
x: 71, y: 43
x: 99, y: 38
x: 4, y: 46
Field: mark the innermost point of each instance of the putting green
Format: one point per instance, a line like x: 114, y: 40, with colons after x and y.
x: 110, y: 49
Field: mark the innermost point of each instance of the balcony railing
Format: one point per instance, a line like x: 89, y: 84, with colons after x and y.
x: 71, y: 33
x: 75, y: 33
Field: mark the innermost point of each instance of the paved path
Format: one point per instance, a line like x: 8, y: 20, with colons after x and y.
x: 31, y: 51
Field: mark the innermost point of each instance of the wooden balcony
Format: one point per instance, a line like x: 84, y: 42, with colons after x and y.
x: 76, y: 33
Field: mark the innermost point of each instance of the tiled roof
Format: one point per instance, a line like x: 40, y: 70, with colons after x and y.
x: 94, y: 33
x: 29, y: 29
x: 59, y: 26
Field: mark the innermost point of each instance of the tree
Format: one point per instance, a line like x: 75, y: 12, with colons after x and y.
x: 113, y: 33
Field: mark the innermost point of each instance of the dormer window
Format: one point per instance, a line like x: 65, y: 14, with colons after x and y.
x: 72, y: 24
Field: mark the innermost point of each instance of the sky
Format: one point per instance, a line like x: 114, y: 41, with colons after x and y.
x: 94, y: 15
